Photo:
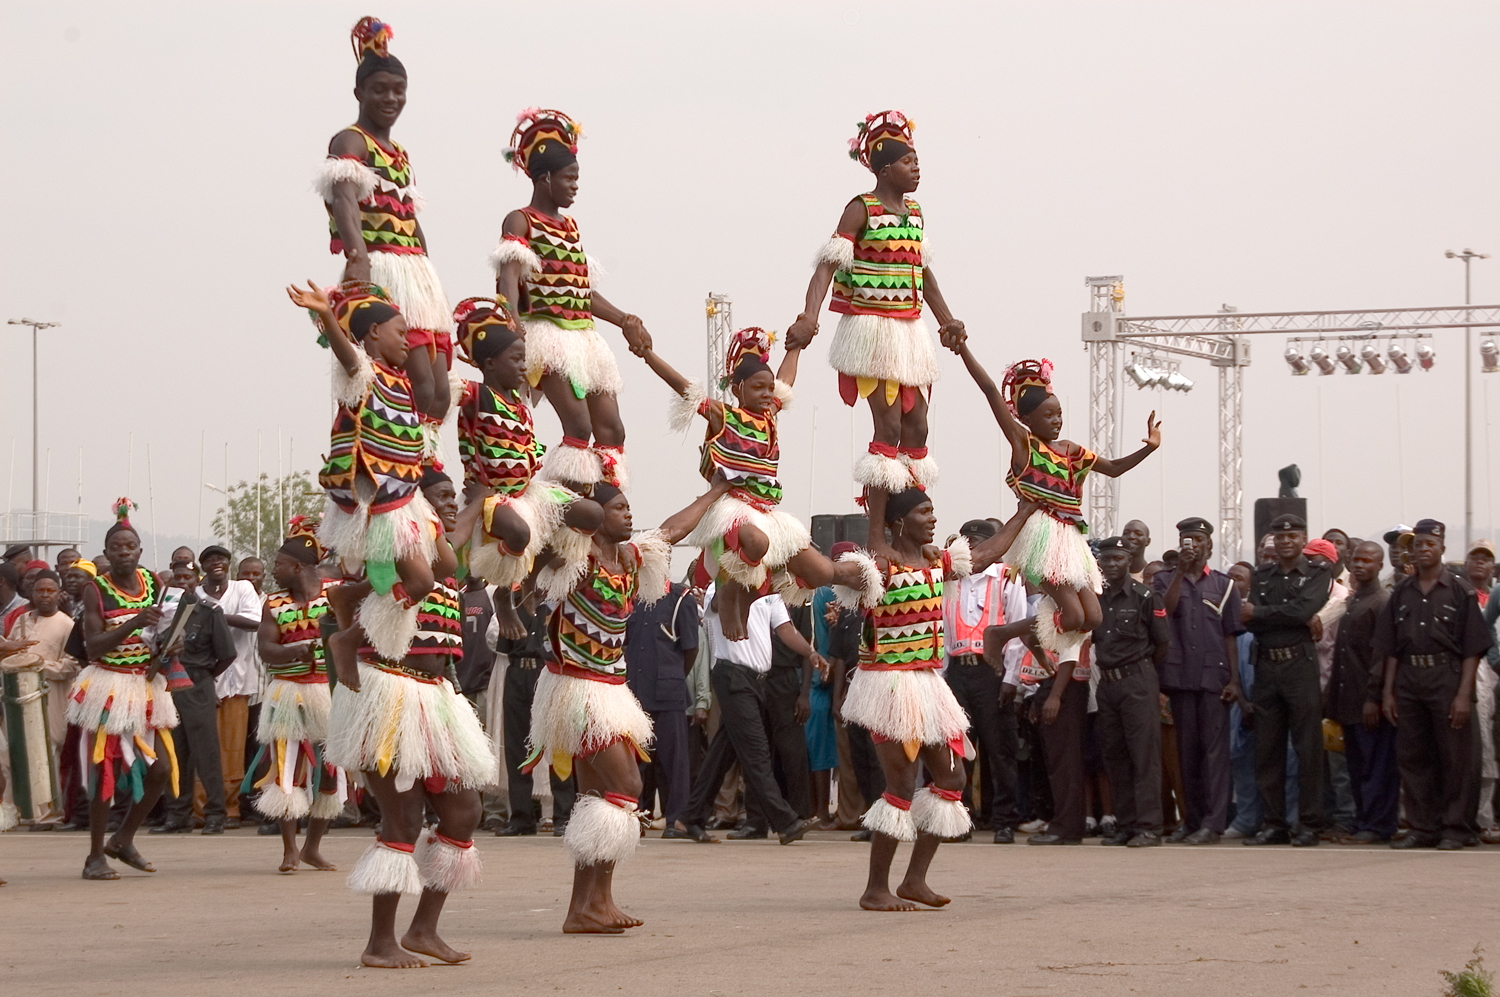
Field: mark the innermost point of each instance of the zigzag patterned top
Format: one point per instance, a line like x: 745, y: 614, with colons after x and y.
x: 388, y: 217
x: 298, y: 624
x: 886, y: 275
x: 746, y: 450
x: 382, y: 439
x: 560, y: 292
x: 440, y: 627
x: 132, y: 654
x: 496, y: 439
x: 1054, y: 481
x: 587, y: 629
x: 905, y: 629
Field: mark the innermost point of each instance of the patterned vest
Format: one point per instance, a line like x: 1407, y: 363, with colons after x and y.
x: 746, y: 451
x: 560, y: 291
x: 1053, y: 481
x: 587, y: 629
x: 905, y: 629
x: 382, y: 439
x: 298, y: 624
x: 886, y: 275
x: 132, y: 654
x: 496, y: 441
x: 388, y: 217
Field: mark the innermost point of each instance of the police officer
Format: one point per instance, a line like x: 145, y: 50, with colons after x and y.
x: 1431, y: 636
x: 1284, y: 595
x: 1130, y: 643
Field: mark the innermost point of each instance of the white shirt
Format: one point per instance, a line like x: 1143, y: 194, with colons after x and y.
x: 243, y: 677
x: 754, y: 652
x: 971, y: 590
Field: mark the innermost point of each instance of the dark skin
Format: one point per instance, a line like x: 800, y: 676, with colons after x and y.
x: 303, y: 584
x: 382, y: 96
x: 252, y: 570
x: 598, y: 415
x: 1366, y: 562
x: 1079, y: 607
x: 1194, y: 548
x: 893, y: 427
x: 1286, y: 546
x: 1479, y: 568
x: 1427, y: 558
x: 216, y: 583
x: 1240, y: 575
x: 66, y: 558
x: 1341, y: 543
x: 1137, y: 537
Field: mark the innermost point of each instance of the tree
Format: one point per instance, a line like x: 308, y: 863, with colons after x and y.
x: 257, y: 513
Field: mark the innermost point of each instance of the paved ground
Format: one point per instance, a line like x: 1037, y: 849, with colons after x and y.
x: 756, y: 918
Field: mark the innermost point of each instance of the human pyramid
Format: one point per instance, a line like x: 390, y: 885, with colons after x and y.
x: 552, y: 526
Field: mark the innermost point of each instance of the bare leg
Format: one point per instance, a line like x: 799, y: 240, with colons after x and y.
x: 416, y: 576
x: 585, y: 915
x: 458, y: 816
x: 1068, y: 605
x: 753, y: 547
x: 400, y: 823
x: 900, y: 779
x: 311, y: 851
x: 1093, y: 614
x: 604, y: 416
x: 291, y: 855
x: 96, y: 866
x: 821, y: 783
x: 572, y: 411
x: 914, y: 423
x: 946, y: 774
x: 441, y: 392
x: 612, y: 770
x: 122, y: 845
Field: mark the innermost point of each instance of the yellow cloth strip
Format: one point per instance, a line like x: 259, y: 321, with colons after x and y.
x: 387, y: 753
x: 99, y: 746
x: 891, y: 390
x: 166, y: 742
x: 866, y: 385
x: 912, y: 747
x: 562, y: 764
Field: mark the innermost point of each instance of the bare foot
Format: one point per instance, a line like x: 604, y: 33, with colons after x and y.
x: 511, y: 627
x: 315, y: 858
x: 884, y: 900
x: 289, y: 860
x: 590, y: 922
x: 389, y: 955
x: 432, y: 945
x: 734, y: 608
x: 922, y: 894
x: 620, y: 919
x: 98, y: 868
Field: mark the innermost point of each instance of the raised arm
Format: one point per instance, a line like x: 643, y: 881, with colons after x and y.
x: 314, y: 300
x: 666, y: 372
x: 950, y: 330
x: 1116, y: 466
x: 344, y: 207
x: 1016, y: 433
x: 989, y: 551
x: 851, y: 224
x: 680, y: 524
x: 787, y: 372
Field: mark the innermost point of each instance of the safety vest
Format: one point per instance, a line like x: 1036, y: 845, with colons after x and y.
x: 968, y: 638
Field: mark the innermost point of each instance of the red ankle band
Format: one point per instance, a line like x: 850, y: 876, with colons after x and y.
x: 575, y: 443
x: 621, y: 800
x: 397, y: 846
x: 453, y: 841
x: 915, y: 453
x: 882, y: 449
x: 896, y: 801
x: 952, y: 795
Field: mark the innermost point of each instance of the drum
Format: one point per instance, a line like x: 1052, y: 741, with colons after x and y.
x: 24, y: 689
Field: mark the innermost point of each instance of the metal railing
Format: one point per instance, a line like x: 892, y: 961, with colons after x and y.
x: 25, y: 526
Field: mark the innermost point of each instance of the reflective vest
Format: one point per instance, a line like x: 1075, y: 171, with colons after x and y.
x: 967, y: 638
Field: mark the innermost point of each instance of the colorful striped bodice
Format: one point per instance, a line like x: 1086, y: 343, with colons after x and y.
x: 886, y: 275
x: 440, y: 625
x: 496, y: 441
x: 1053, y: 481
x: 587, y: 629
x: 560, y: 291
x: 297, y: 624
x: 905, y: 629
x: 382, y: 439
x: 132, y: 654
x: 388, y: 217
x: 745, y: 450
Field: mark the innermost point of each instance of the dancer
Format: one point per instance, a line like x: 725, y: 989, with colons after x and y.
x: 416, y: 743
x: 746, y: 537
x: 584, y: 715
x: 375, y: 514
x: 1051, y: 550
x: 120, y: 701
x: 881, y: 272
x: 543, y: 274
x: 898, y: 695
x: 497, y: 444
x: 294, y: 707
x: 366, y: 185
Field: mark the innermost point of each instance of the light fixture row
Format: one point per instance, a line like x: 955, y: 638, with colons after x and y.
x: 1361, y: 353
x: 1151, y: 371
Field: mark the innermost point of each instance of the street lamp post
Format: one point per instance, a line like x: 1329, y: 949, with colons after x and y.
x: 35, y: 433
x: 1468, y: 256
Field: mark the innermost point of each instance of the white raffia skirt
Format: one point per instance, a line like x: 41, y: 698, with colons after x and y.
x: 906, y: 706
x: 294, y: 712
x: 360, y: 535
x: 417, y: 729
x: 413, y: 286
x: 134, y: 706
x: 580, y: 355
x: 575, y: 716
x: 1049, y: 550
x: 541, y: 507
x: 884, y: 348
x: 785, y: 533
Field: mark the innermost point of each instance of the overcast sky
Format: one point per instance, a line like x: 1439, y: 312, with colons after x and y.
x: 1270, y: 156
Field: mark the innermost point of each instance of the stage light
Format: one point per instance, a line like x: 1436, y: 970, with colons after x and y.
x: 1178, y: 382
x: 1321, y: 360
x: 1349, y: 359
x: 1142, y: 376
x: 1399, y: 359
x: 1371, y: 355
x: 1489, y: 356
x: 1425, y: 355
x: 1293, y: 358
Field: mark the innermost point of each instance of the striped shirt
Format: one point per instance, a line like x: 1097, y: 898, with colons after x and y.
x: 496, y: 441
x: 1053, y: 480
x: 745, y: 450
x: 885, y: 277
x: 388, y: 217
x: 560, y: 290
x: 905, y: 629
x: 297, y: 625
x: 133, y: 653
x: 381, y: 440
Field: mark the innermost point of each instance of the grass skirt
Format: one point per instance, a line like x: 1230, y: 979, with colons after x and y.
x: 133, y: 705
x: 414, y: 288
x: 294, y: 712
x: 356, y: 535
x: 786, y: 534
x: 1049, y: 550
x: 541, y: 507
x: 580, y: 355
x: 418, y: 729
x: 907, y: 705
x: 887, y: 349
x: 576, y: 716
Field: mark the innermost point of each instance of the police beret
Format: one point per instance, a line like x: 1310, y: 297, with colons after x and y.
x: 1112, y: 543
x: 1430, y: 527
x: 977, y: 529
x: 1286, y: 522
x: 1197, y: 524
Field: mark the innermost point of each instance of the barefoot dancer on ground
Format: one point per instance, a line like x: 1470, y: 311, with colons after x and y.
x: 542, y: 272
x: 416, y: 743
x: 898, y: 695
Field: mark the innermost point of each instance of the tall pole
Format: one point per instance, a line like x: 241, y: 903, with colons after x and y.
x: 36, y: 476
x: 1468, y: 256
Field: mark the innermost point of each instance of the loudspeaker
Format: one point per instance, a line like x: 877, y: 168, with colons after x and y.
x: 855, y: 528
x: 825, y: 532
x: 1267, y: 509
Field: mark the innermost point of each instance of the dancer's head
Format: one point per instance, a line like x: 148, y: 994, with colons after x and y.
x: 122, y: 545
x: 438, y: 489
x: 1028, y: 387
x: 380, y: 80
x: 301, y: 549
x: 487, y: 338
x: 910, y: 515
x: 884, y: 145
x: 617, y: 525
x: 368, y: 318
x: 747, y: 369
x: 544, y: 145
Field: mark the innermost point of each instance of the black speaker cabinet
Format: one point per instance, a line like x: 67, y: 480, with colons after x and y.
x: 1267, y: 509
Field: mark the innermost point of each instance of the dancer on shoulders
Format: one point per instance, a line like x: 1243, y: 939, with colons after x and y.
x: 366, y: 185
x: 880, y: 269
x: 746, y: 537
x: 543, y: 274
x: 1051, y: 550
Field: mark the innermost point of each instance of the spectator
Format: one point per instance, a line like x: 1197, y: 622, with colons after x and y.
x: 845, y: 631
x: 521, y: 674
x: 10, y: 584
x: 661, y: 643
x: 788, y: 705
x: 1338, y: 798
x: 241, y: 680
x: 66, y: 558
x: 476, y: 670
x: 1137, y: 538
x: 1246, y: 797
x: 1480, y: 552
x: 50, y: 629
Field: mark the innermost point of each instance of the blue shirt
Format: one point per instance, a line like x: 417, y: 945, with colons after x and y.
x: 1208, y: 610
x: 657, y: 640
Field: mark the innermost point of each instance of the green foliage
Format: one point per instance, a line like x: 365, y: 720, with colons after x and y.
x: 1473, y: 981
x: 270, y: 506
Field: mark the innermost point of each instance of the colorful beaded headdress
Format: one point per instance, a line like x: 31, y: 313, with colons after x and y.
x: 749, y: 351
x: 544, y: 140
x: 882, y: 139
x: 121, y: 507
x: 371, y: 39
x: 482, y: 328
x: 301, y: 542
x: 357, y: 305
x: 1025, y: 374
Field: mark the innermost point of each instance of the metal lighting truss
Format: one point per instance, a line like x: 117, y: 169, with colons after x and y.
x: 719, y: 310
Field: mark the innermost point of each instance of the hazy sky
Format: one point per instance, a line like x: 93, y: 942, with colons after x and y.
x: 1270, y: 156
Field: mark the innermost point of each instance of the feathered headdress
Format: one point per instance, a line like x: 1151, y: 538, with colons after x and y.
x: 357, y: 305
x: 371, y: 39
x: 1025, y: 374
x: 482, y: 328
x: 543, y: 140
x: 302, y: 542
x: 121, y: 508
x: 751, y: 348
x: 882, y: 139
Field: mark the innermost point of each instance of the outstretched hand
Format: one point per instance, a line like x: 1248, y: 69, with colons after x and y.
x: 311, y: 298
x: 799, y: 335
x: 636, y: 336
x: 953, y: 336
x: 1153, y: 431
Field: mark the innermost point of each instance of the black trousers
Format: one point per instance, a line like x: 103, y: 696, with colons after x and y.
x: 1436, y: 761
x: 1289, y: 701
x: 520, y: 690
x: 197, y: 742
x: 867, y: 770
x: 976, y: 686
x: 788, y: 741
x: 743, y: 736
x: 1063, y: 740
x: 668, y: 772
x: 1202, y: 720
x: 1129, y: 720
